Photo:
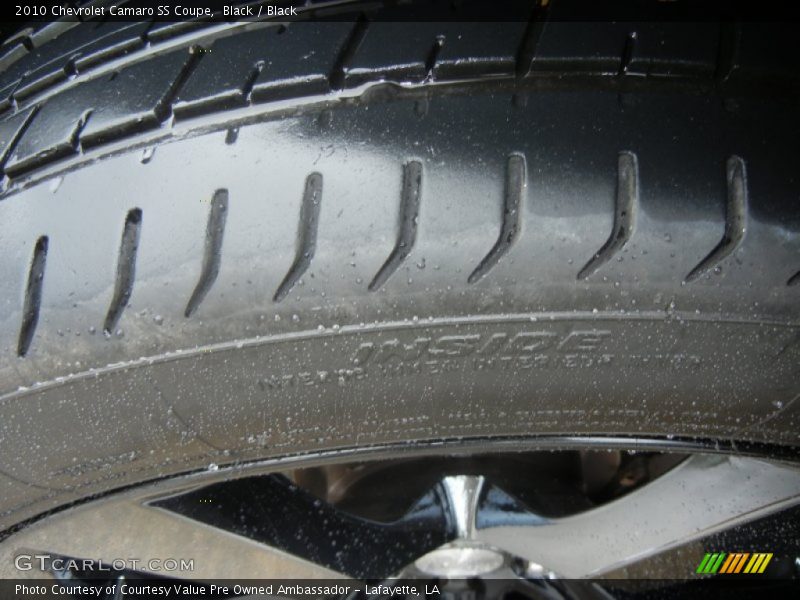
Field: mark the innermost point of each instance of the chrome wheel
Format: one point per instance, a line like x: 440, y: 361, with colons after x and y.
x: 525, y: 519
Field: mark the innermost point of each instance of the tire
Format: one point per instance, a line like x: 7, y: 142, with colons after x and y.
x: 521, y: 232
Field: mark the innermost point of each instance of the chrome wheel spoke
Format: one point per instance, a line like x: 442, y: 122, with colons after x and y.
x: 701, y: 496
x: 127, y: 529
x: 463, y: 494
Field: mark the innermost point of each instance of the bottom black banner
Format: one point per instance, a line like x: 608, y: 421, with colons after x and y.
x: 450, y: 589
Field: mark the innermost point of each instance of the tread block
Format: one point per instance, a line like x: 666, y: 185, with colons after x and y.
x: 767, y: 50
x: 35, y: 65
x: 568, y: 45
x: 307, y: 55
x: 638, y: 48
x: 576, y: 37
x: 479, y: 45
x: 114, y: 44
x: 395, y: 51
x: 138, y: 98
x: 52, y: 31
x: 51, y: 135
x: 476, y: 48
x: 566, y: 41
x: 222, y: 78
x: 81, y: 47
x: 131, y: 100
x: 11, y: 54
x: 46, y: 75
x: 166, y: 30
x: 38, y: 58
x: 392, y: 51
x: 5, y: 95
x: 273, y: 62
x: 674, y: 49
x: 10, y: 130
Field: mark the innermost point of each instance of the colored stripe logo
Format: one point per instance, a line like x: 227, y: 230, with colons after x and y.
x: 734, y: 562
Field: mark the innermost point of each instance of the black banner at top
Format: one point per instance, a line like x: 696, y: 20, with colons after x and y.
x: 33, y: 11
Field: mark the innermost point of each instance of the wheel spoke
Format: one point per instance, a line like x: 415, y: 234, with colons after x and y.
x: 126, y: 529
x: 701, y: 496
x: 462, y: 493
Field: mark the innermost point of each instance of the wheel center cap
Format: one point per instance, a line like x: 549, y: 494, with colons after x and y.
x: 460, y: 561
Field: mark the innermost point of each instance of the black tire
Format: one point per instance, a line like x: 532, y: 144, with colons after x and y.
x: 207, y: 258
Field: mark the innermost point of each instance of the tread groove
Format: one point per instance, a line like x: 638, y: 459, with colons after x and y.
x: 163, y: 108
x: 306, y: 236
x: 433, y: 55
x: 126, y: 269
x: 12, y: 144
x: 338, y: 75
x: 33, y: 296
x: 794, y: 279
x: 212, y: 253
x: 627, y: 53
x: 729, y: 40
x: 735, y: 219
x: 407, y: 234
x: 514, y: 191
x: 75, y: 136
x: 530, y: 40
x: 247, y: 88
x: 69, y: 67
x: 627, y: 200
